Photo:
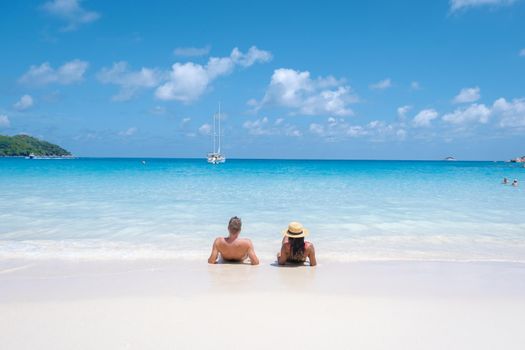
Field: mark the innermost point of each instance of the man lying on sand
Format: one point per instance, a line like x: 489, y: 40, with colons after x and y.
x: 233, y: 248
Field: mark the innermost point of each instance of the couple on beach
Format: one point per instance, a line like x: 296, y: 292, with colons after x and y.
x: 294, y: 248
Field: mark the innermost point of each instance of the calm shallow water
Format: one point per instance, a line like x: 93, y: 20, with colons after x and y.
x: 169, y: 208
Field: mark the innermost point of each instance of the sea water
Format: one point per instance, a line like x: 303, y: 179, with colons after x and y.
x: 173, y: 208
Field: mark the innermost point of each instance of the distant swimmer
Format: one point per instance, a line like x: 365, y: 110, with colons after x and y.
x: 233, y: 248
x: 515, y: 183
x: 143, y: 162
x: 505, y: 181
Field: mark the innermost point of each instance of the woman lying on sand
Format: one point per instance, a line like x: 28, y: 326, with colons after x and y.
x: 294, y: 249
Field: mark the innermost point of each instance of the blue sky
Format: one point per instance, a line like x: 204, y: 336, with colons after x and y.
x: 331, y: 79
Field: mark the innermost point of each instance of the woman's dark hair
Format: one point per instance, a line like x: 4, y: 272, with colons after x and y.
x: 296, y: 247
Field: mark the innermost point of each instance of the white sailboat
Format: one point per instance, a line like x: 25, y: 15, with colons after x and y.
x: 216, y: 157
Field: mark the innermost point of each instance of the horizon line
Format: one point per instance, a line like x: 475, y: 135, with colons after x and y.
x: 292, y: 159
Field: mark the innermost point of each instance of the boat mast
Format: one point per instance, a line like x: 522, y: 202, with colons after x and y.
x: 214, y: 133
x: 219, y: 149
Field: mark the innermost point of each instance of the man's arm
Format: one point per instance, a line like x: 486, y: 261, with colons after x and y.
x: 311, y: 256
x: 214, y: 253
x: 254, y: 260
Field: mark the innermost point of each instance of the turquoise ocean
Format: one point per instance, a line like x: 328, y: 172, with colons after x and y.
x: 173, y: 208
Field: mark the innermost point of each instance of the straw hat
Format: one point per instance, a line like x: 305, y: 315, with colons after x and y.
x: 295, y: 230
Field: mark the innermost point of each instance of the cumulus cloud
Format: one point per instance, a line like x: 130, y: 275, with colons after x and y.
x: 188, y: 81
x: 4, y: 121
x: 192, y: 51
x: 254, y: 55
x: 25, y: 102
x: 257, y: 127
x: 424, y: 118
x: 128, y: 81
x: 205, y: 129
x: 376, y: 130
x: 473, y: 113
x: 69, y: 73
x: 298, y: 91
x: 128, y: 132
x: 263, y: 126
x: 402, y: 112
x: 317, y: 129
x: 381, y: 85
x: 71, y: 12
x: 467, y: 95
x: 456, y: 5
x: 511, y: 113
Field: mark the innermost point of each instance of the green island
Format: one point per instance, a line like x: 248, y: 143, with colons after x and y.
x: 27, y: 146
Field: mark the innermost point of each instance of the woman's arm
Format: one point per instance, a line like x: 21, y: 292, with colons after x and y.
x: 283, y: 256
x: 311, y: 255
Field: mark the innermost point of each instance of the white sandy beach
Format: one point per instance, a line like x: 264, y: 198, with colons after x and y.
x: 64, y: 304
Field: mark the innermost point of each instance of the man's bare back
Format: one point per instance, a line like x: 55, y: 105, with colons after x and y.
x: 233, y: 248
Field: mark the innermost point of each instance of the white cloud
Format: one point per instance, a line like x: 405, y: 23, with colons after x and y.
x: 4, y: 121
x: 69, y: 73
x: 376, y: 130
x: 128, y: 132
x: 381, y: 85
x: 317, y: 129
x: 401, y: 134
x: 205, y: 129
x: 402, y: 112
x: 71, y: 12
x: 473, y: 113
x: 188, y: 81
x: 130, y: 82
x: 192, y: 51
x: 293, y: 132
x: 467, y: 95
x: 356, y: 131
x: 254, y: 55
x: 258, y: 127
x: 456, y: 5
x: 424, y: 118
x: 25, y: 102
x: 218, y: 66
x: 297, y: 90
x: 511, y: 113
x: 263, y: 126
x: 522, y: 53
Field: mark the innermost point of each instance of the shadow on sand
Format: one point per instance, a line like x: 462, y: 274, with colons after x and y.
x: 288, y: 265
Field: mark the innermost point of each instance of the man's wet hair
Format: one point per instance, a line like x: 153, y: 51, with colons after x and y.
x: 235, y: 224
